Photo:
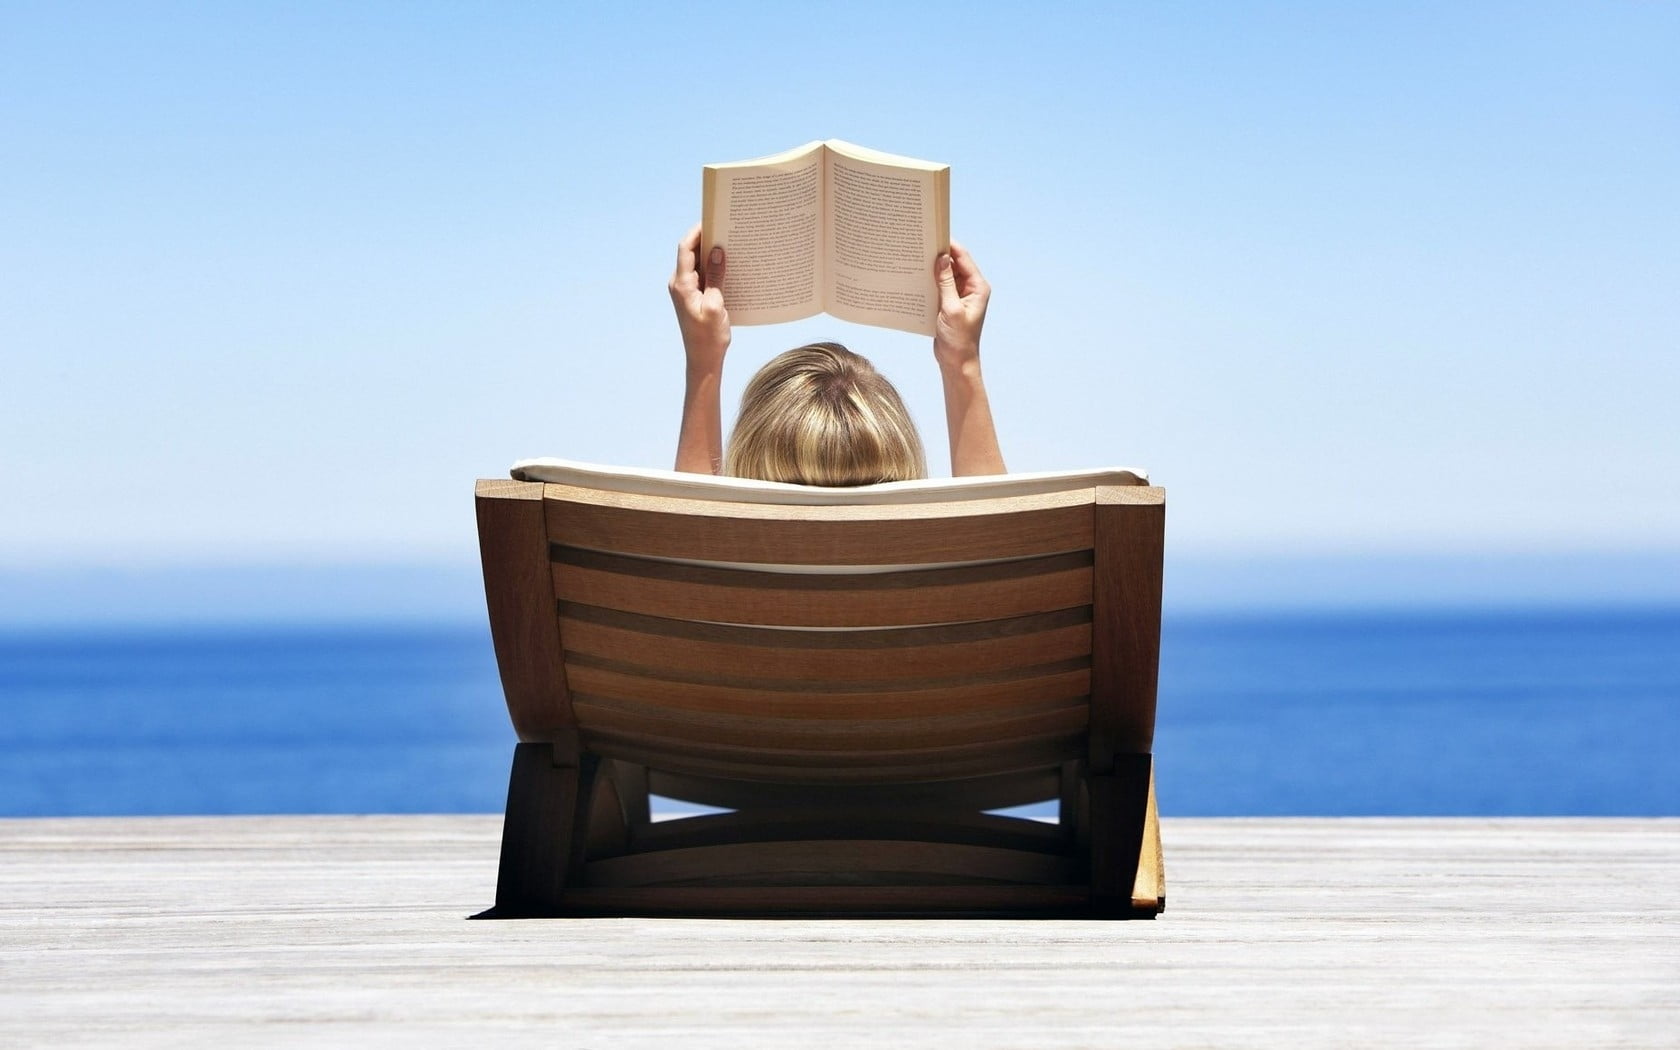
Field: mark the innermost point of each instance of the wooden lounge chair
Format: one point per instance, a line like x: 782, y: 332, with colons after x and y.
x: 857, y: 682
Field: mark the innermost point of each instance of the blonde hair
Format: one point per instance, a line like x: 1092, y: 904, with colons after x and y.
x: 822, y: 415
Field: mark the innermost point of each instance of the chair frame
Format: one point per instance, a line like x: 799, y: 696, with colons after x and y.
x: 829, y: 815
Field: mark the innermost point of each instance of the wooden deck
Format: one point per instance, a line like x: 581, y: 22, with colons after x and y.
x: 353, y: 931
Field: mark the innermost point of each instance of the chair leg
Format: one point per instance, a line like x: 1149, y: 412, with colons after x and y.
x: 618, y: 808
x: 1070, y: 805
x: 632, y: 783
x: 1119, y: 810
x: 1149, y: 892
x: 543, y: 830
x: 620, y: 814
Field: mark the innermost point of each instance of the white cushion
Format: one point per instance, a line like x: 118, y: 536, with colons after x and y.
x: 676, y: 484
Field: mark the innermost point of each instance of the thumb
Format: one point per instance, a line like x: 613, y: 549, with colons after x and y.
x: 947, y: 280
x: 716, y: 265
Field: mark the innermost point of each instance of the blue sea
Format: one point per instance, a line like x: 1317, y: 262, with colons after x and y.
x: 1444, y: 713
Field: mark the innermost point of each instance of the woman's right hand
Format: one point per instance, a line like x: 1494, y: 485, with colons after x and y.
x: 698, y: 297
x: 963, y: 297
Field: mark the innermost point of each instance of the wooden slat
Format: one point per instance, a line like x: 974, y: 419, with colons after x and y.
x: 518, y: 592
x: 700, y: 530
x: 811, y: 700
x: 826, y: 739
x: 935, y: 764
x: 974, y: 793
x: 928, y: 596
x: 946, y: 901
x: 672, y: 648
x: 1130, y: 527
x: 903, y: 822
x: 829, y: 862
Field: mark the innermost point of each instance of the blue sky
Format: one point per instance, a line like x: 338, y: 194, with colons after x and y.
x: 1355, y: 282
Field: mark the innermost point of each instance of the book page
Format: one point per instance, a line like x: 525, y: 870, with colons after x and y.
x: 767, y: 215
x: 888, y: 220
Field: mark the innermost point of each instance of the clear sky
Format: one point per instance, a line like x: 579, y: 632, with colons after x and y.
x: 278, y: 281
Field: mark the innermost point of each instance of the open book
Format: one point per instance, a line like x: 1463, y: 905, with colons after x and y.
x: 829, y: 228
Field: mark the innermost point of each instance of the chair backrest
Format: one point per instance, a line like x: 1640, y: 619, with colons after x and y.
x: 847, y: 644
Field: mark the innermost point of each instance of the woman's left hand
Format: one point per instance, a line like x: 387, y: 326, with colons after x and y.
x: 698, y: 298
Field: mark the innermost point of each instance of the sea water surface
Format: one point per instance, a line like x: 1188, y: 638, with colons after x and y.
x: 1437, y: 713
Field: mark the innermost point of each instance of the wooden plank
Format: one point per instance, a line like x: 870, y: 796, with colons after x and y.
x: 982, y: 792
x: 349, y: 931
x: 951, y: 901
x: 772, y: 766
x: 824, y: 862
x: 927, y: 596
x: 1129, y: 533
x: 811, y: 700
x: 825, y: 740
x: 910, y: 534
x: 1052, y: 738
x: 513, y: 548
x: 903, y: 821
x: 890, y: 639
x: 671, y: 649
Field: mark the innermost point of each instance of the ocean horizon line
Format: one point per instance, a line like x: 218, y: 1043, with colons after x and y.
x: 394, y: 624
x: 451, y: 592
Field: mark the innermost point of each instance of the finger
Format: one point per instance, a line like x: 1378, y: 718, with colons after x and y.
x: 944, y: 274
x: 716, y: 266
x: 963, y: 262
x: 687, y: 248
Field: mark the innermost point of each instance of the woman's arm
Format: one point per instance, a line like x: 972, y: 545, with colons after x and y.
x: 698, y: 298
x: 963, y: 295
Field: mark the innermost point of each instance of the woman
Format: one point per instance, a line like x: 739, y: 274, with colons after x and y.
x: 820, y: 414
